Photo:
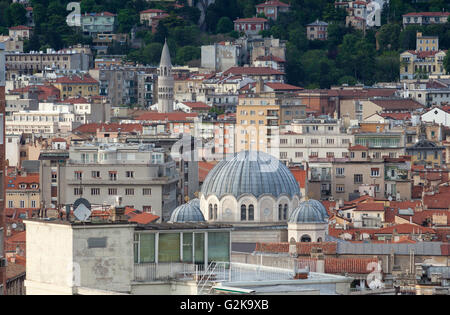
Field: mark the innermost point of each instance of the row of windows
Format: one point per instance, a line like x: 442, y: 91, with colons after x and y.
x: 21, y: 204
x: 78, y: 175
x: 78, y: 191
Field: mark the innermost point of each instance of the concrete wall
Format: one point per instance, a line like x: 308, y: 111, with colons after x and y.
x: 59, y: 258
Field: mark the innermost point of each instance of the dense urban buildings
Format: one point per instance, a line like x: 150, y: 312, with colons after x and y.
x: 225, y: 147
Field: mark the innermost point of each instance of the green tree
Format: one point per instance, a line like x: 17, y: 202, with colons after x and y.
x: 224, y: 25
x: 447, y: 62
x: 16, y: 14
x: 388, y: 36
x: 126, y: 19
x: 187, y: 53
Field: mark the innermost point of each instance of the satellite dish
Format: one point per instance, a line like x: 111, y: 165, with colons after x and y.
x: 14, y: 226
x: 82, y: 213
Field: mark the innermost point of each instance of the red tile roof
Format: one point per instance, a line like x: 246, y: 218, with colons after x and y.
x: 445, y: 249
x: 13, y: 182
x: 370, y: 206
x: 405, y: 228
x: 397, y: 116
x: 272, y: 3
x: 75, y: 79
x: 251, y: 20
x: 14, y: 270
x: 252, y: 71
x: 397, y: 104
x: 76, y: 100
x: 197, y: 105
x: 283, y: 86
x: 203, y: 169
x: 44, y: 91
x: 300, y: 176
x: 175, y: 116
x: 153, y: 11
x: 358, y: 147
x: 143, y: 218
x: 270, y: 58
x: 427, y: 14
x: 20, y: 28
x: 111, y: 127
x: 349, y: 265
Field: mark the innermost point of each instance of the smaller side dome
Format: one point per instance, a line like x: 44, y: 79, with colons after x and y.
x: 188, y: 212
x: 319, y: 207
x: 307, y: 212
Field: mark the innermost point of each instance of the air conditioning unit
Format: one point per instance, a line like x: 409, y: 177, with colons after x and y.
x: 2, y: 262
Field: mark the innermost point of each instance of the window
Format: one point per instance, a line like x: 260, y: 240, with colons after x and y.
x: 10, y: 204
x: 340, y: 188
x: 113, y: 175
x: 129, y: 191
x: 78, y: 191
x: 283, y: 141
x: 375, y: 172
x: 243, y: 212
x: 283, y: 155
x: 78, y: 175
x: 146, y: 191
x: 95, y: 191
x: 210, y: 212
x: 358, y: 178
x: 215, y: 212
x: 298, y: 154
x: 95, y: 174
x: 363, y: 155
x: 33, y: 203
x: 330, y: 141
x: 251, y: 213
x: 280, y: 212
x: 298, y: 141
x: 314, y: 141
x: 330, y: 154
x: 340, y: 171
x: 112, y: 191
x: 22, y: 203
x: 285, y: 210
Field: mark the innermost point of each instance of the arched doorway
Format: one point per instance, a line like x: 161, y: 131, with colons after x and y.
x: 305, y: 239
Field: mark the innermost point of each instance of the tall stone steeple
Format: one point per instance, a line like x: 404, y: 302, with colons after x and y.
x: 165, y: 82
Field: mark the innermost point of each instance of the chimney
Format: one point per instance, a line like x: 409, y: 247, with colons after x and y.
x: 118, y: 211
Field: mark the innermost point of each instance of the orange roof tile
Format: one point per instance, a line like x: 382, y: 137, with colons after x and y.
x: 144, y: 218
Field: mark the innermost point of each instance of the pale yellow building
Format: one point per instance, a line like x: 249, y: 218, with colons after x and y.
x: 23, y: 191
x: 73, y: 86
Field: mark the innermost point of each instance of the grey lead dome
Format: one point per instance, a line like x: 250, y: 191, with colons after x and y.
x: 250, y: 172
x: 307, y: 212
x: 188, y: 212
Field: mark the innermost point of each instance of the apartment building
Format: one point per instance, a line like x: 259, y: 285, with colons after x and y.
x: 22, y: 191
x: 146, y: 16
x: 259, y: 115
x: 18, y: 64
x: 382, y: 144
x: 144, y: 176
x: 347, y: 178
x: 317, y: 30
x: 425, y: 18
x: 94, y: 23
x: 321, y: 137
x: 251, y: 26
x: 123, y: 85
x: 221, y: 56
x: 73, y: 86
x: 427, y: 59
x: 272, y: 8
x: 20, y: 32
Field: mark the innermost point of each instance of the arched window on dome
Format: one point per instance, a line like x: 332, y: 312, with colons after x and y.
x: 319, y: 240
x: 251, y: 213
x: 280, y: 212
x: 285, y: 210
x: 215, y: 212
x: 243, y: 213
x: 210, y: 212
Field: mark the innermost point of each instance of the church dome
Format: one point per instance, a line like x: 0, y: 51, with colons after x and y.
x: 320, y: 207
x: 188, y: 212
x: 307, y: 212
x: 250, y: 172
